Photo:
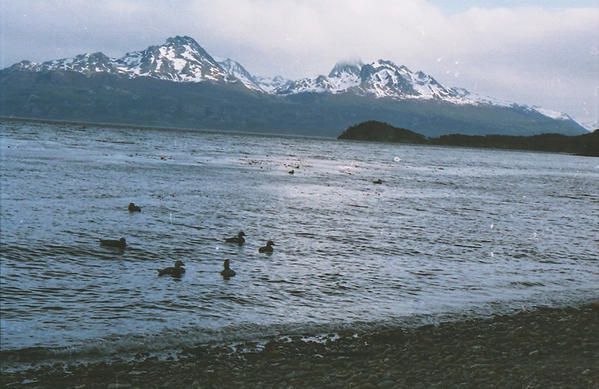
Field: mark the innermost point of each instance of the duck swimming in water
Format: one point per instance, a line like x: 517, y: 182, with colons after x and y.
x: 119, y: 244
x: 268, y: 248
x: 237, y: 239
x: 176, y: 271
x: 227, y: 272
x: 133, y: 208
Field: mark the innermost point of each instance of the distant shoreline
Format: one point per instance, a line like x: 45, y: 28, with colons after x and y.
x: 375, y: 131
x: 160, y: 128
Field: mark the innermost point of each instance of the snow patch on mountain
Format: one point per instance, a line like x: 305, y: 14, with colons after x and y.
x: 552, y: 114
x: 271, y: 85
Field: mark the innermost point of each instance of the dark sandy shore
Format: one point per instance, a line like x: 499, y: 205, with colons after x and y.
x: 544, y: 348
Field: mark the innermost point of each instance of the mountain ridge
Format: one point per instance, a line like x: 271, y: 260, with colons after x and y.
x: 386, y: 90
x: 182, y: 59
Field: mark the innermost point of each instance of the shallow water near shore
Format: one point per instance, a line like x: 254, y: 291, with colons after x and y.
x: 448, y: 230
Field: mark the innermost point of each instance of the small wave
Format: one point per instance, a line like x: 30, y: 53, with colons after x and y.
x: 526, y: 284
x: 123, y: 142
x: 172, y: 342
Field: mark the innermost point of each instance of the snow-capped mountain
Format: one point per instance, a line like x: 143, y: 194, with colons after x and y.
x: 381, y: 79
x: 236, y: 71
x: 182, y: 59
x: 179, y: 59
x: 385, y: 79
x: 82, y: 63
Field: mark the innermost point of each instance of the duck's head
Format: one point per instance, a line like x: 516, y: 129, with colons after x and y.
x: 241, y: 233
x: 131, y: 204
x: 270, y: 243
x: 122, y: 240
x: 226, y: 263
x: 179, y: 264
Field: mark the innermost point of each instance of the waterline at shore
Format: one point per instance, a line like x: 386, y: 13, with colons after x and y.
x: 545, y: 347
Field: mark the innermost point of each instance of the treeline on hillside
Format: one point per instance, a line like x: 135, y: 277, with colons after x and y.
x: 586, y: 144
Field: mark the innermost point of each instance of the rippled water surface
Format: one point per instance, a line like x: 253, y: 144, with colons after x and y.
x: 449, y: 229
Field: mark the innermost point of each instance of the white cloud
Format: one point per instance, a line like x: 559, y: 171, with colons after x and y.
x: 544, y: 56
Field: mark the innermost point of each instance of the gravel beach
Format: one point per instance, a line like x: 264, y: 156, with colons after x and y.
x: 541, y: 348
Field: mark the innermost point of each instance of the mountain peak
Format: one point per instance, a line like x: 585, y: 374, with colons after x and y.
x: 182, y: 43
x: 388, y: 63
x: 181, y: 40
x: 185, y: 47
x: 237, y: 72
x: 180, y: 58
x: 350, y: 67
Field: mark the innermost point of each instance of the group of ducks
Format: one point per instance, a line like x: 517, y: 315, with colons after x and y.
x: 239, y: 239
x: 178, y: 270
x: 227, y: 272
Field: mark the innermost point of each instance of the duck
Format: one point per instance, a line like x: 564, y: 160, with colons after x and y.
x: 377, y: 181
x: 119, y: 244
x: 176, y: 271
x: 134, y: 208
x: 227, y: 271
x: 237, y: 239
x: 268, y: 248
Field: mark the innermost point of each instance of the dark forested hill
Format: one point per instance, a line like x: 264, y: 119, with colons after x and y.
x: 585, y: 144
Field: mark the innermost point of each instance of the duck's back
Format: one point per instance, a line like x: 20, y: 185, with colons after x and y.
x: 227, y: 273
x: 172, y: 271
x: 265, y: 249
x: 112, y: 243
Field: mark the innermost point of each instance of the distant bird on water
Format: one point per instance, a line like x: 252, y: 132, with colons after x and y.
x: 176, y: 271
x: 227, y: 272
x: 268, y: 248
x: 119, y: 244
x: 134, y: 208
x: 237, y: 239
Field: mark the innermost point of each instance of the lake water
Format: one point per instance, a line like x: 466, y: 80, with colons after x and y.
x: 449, y: 231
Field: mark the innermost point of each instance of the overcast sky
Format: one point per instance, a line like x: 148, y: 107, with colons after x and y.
x: 537, y: 52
